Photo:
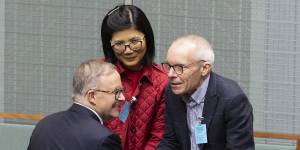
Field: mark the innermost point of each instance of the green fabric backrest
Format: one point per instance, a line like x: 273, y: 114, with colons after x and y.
x: 14, y: 136
x: 259, y: 146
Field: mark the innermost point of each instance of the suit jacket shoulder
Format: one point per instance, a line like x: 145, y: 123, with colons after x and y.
x: 77, y: 129
x: 227, y: 114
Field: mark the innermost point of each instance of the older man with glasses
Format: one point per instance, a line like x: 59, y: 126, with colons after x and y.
x: 97, y: 90
x: 204, y: 111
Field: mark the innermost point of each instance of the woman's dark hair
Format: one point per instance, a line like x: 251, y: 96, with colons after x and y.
x: 121, y: 18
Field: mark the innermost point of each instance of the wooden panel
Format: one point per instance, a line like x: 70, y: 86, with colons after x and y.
x: 34, y: 117
x: 294, y: 137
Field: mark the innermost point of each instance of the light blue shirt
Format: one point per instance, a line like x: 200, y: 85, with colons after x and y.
x: 194, y: 105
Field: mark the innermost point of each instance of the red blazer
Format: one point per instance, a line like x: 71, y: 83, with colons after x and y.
x: 144, y: 126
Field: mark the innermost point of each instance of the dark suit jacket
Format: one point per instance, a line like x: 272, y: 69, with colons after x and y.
x: 227, y: 114
x: 75, y: 129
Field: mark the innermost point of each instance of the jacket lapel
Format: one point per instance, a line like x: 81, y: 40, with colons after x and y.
x: 178, y: 109
x: 184, y: 127
x: 210, y: 103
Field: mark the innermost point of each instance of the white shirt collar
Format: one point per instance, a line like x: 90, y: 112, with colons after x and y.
x: 91, y: 110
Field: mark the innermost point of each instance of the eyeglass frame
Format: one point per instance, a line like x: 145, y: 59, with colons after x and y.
x: 117, y: 92
x: 179, y: 65
x: 141, y: 40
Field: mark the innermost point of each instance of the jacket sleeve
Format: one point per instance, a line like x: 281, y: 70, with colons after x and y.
x: 158, y: 127
x: 169, y: 141
x: 111, y: 142
x: 239, y: 124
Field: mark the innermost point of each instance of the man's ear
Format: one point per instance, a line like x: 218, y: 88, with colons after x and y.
x: 205, y: 69
x: 91, y: 97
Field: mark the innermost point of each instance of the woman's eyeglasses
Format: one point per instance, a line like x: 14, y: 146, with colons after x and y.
x: 134, y: 44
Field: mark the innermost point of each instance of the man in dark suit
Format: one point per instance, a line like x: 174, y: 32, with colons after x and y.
x: 97, y: 89
x: 204, y: 111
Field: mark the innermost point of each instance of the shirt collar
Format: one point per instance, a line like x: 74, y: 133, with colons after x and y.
x: 199, y: 95
x: 90, y: 110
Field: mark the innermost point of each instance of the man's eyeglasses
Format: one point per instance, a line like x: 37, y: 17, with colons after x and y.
x: 179, y: 67
x: 134, y: 44
x: 117, y: 92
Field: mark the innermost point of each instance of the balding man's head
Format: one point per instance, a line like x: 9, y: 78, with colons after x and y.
x: 193, y: 46
x: 189, y: 62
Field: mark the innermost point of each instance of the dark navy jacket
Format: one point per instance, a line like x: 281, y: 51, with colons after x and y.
x: 227, y: 114
x: 78, y: 128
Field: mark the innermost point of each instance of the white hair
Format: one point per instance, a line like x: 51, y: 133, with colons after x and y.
x: 203, y: 50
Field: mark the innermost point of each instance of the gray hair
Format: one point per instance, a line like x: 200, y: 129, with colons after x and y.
x: 88, y: 71
x: 204, y: 50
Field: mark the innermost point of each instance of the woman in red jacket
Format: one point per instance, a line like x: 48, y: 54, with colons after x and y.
x: 128, y: 42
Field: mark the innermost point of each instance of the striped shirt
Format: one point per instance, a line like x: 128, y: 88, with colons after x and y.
x: 195, y: 104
